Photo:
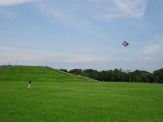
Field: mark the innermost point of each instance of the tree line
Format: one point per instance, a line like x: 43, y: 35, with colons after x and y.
x: 117, y: 75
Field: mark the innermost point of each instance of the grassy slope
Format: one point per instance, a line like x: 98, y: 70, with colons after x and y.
x: 77, y: 101
x: 37, y: 73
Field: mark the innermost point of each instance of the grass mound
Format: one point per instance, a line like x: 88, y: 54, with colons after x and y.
x: 38, y: 74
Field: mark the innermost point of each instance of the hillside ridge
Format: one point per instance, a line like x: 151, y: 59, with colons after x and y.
x: 38, y: 74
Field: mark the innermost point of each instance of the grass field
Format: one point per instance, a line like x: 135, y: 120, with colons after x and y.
x: 81, y: 101
x: 77, y: 101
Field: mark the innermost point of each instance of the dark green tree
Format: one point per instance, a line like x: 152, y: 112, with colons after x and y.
x: 76, y: 71
x: 158, y: 75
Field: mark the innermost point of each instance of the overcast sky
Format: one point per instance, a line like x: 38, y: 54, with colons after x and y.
x: 83, y: 34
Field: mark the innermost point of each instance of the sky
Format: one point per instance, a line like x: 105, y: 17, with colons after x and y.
x: 82, y: 34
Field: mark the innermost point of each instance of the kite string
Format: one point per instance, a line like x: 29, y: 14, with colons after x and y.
x: 136, y: 60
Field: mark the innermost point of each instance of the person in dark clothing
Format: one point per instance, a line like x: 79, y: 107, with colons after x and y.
x: 29, y: 83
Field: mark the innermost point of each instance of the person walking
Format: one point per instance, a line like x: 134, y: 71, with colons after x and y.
x: 29, y: 83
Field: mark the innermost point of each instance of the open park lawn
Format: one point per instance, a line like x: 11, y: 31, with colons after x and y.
x: 80, y: 102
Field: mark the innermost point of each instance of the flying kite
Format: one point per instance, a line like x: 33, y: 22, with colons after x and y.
x: 125, y: 43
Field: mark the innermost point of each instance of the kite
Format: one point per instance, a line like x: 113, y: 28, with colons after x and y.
x: 125, y: 43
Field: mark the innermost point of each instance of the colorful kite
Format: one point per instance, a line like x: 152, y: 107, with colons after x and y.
x: 125, y: 43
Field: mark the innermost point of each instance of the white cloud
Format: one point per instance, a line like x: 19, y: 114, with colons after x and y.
x: 36, y: 28
x: 12, y: 54
x: 57, y: 14
x: 142, y: 25
x: 13, y: 2
x: 154, y: 46
x: 135, y: 8
x: 7, y: 13
x: 159, y: 36
x: 121, y: 8
x: 97, y: 9
x: 147, y: 58
x: 149, y: 49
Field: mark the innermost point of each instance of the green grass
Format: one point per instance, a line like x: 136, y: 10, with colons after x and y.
x: 38, y: 74
x: 81, y: 101
x: 77, y: 101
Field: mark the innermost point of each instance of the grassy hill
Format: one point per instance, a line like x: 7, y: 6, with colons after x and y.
x: 37, y: 73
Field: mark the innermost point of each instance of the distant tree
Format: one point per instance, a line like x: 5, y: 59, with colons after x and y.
x: 145, y: 76
x: 119, y: 75
x: 76, y: 71
x: 124, y: 77
x: 90, y: 73
x: 137, y: 79
x: 158, y: 75
x: 112, y: 78
x: 64, y: 70
x: 109, y: 75
x: 101, y: 75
